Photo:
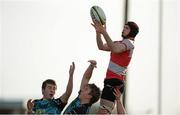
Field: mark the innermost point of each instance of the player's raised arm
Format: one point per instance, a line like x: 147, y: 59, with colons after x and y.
x: 69, y: 87
x: 88, y: 73
x: 120, y: 107
x: 100, y: 44
x: 110, y: 45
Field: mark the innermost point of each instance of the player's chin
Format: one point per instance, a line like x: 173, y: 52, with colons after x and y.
x: 51, y: 96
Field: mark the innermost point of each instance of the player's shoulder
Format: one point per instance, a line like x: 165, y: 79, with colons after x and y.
x: 127, y: 40
x: 129, y: 43
x: 117, y: 41
x: 57, y: 100
x: 36, y: 100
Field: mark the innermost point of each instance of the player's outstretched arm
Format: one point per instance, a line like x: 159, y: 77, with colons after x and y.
x: 88, y: 73
x: 110, y: 45
x: 120, y: 107
x: 100, y: 44
x: 69, y: 87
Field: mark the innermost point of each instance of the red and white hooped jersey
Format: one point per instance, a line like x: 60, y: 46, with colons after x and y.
x: 119, y: 61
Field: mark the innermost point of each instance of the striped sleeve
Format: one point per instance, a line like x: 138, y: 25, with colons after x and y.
x: 128, y: 43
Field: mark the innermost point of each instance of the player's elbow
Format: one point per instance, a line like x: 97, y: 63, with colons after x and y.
x: 100, y: 48
x: 103, y: 49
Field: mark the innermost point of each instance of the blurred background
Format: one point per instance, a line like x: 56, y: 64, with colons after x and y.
x: 39, y: 39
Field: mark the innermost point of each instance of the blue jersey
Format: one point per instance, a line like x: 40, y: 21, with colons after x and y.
x: 75, y: 107
x: 44, y: 106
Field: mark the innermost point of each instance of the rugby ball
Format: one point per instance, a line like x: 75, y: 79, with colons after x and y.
x: 98, y: 14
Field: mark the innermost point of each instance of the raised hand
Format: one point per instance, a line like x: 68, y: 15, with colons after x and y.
x: 99, y: 27
x: 71, y: 69
x: 93, y: 63
x: 30, y: 105
x: 120, y: 108
x: 117, y: 92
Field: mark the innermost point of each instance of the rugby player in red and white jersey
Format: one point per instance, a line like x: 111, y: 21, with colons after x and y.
x: 120, y: 56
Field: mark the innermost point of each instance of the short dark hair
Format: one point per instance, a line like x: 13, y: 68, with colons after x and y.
x: 48, y: 81
x: 95, y: 93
